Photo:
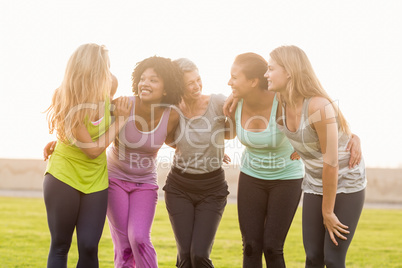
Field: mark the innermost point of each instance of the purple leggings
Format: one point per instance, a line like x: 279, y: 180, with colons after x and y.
x: 131, y: 210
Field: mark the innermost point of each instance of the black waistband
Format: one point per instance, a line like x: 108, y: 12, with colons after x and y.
x: 196, y: 183
x: 197, y: 176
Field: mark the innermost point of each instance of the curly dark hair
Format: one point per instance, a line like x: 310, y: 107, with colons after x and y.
x: 253, y: 66
x: 170, y: 73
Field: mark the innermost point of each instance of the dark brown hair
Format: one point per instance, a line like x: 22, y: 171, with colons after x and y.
x: 253, y: 66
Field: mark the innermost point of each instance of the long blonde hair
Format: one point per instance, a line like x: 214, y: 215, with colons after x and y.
x: 303, y: 80
x: 86, y: 84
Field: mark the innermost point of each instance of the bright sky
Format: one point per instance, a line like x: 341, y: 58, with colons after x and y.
x: 355, y: 48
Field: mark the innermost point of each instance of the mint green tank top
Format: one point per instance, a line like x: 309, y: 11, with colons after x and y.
x: 72, y: 166
x: 267, y: 153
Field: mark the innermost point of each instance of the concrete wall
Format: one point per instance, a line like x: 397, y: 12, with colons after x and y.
x: 384, y: 185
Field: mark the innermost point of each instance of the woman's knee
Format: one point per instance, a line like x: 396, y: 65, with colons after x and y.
x: 200, y: 259
x: 60, y: 248
x: 88, y: 248
x: 139, y: 239
x: 251, y: 248
x: 335, y: 256
x: 183, y: 260
x: 273, y: 253
x: 314, y: 260
x: 334, y: 262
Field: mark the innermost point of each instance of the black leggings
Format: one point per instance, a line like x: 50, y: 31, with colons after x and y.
x: 68, y: 209
x: 195, y: 216
x: 266, y: 209
x: 320, y: 250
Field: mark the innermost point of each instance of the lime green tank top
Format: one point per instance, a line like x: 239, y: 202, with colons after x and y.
x: 72, y: 166
x: 267, y: 153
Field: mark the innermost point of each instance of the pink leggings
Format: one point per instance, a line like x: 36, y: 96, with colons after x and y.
x: 131, y: 210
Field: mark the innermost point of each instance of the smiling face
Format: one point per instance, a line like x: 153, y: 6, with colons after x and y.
x: 238, y: 82
x: 193, y: 84
x: 151, y: 87
x: 277, y: 77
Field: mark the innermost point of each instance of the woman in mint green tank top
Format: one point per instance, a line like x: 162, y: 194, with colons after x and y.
x: 76, y: 181
x: 271, y: 173
x: 270, y: 177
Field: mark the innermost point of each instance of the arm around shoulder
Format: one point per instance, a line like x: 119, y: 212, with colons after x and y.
x: 230, y: 128
x: 95, y: 148
x: 174, y: 119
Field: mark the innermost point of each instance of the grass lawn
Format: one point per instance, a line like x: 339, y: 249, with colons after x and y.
x: 24, y: 238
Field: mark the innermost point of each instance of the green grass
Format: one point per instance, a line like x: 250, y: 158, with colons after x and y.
x: 24, y: 238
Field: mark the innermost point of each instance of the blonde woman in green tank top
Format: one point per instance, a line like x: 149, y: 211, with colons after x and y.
x: 76, y: 181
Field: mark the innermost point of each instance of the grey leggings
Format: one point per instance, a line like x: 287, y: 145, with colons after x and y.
x: 320, y: 250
